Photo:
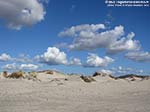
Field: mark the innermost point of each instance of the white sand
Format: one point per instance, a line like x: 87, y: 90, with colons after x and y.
x: 55, y: 94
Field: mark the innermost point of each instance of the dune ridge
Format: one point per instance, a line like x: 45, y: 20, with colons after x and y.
x: 56, y: 74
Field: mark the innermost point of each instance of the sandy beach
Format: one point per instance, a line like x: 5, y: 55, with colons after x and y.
x: 74, y: 55
x: 69, y: 93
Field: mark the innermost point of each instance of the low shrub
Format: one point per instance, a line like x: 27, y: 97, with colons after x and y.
x: 16, y: 75
x: 87, y: 79
x: 5, y: 74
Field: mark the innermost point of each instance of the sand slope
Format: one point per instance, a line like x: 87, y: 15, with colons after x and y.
x: 56, y: 94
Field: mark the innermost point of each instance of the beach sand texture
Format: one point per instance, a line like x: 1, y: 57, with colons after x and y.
x: 63, y: 93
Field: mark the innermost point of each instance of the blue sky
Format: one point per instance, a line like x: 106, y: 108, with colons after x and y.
x: 33, y: 35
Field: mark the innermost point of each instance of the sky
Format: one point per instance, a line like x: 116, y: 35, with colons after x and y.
x: 74, y: 36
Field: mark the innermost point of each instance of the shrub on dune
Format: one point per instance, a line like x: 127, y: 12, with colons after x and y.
x: 5, y: 74
x: 87, y: 79
x: 16, y: 75
x: 33, y: 74
x: 49, y: 72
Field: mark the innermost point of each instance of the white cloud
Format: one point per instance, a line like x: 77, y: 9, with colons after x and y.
x: 93, y: 37
x: 22, y: 58
x: 15, y: 66
x: 126, y: 70
x: 123, y: 70
x: 5, y: 57
x: 140, y: 71
x: 19, y: 13
x: 75, y: 61
x: 52, y: 56
x: 124, y: 44
x: 85, y: 27
x: 94, y: 60
x: 28, y: 67
x: 106, y: 71
x: 139, y: 56
x: 120, y: 68
x: 12, y: 66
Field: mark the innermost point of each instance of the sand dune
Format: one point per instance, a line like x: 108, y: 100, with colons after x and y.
x: 56, y: 92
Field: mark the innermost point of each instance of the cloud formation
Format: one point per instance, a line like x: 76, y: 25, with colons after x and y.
x: 138, y: 56
x: 10, y: 66
x: 126, y: 70
x: 122, y: 71
x: 124, y: 44
x: 22, y: 58
x: 5, y: 57
x: 89, y: 37
x: 19, y: 13
x: 74, y: 30
x: 75, y: 61
x: 94, y: 60
x: 106, y: 71
x: 28, y: 67
x: 15, y: 66
x: 53, y: 56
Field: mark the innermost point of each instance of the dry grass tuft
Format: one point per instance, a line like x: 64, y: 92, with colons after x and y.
x: 16, y: 75
x: 33, y: 74
x: 99, y: 74
x: 47, y: 72
x: 5, y: 74
x: 87, y: 78
x: 133, y: 77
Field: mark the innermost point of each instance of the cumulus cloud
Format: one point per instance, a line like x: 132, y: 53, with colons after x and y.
x: 12, y: 66
x: 89, y: 37
x: 122, y: 71
x: 19, y: 13
x: 94, y: 60
x: 15, y: 66
x: 75, y: 61
x: 53, y: 56
x: 5, y: 57
x: 74, y: 30
x: 126, y: 70
x: 139, y: 56
x: 124, y: 44
x: 106, y: 71
x: 28, y: 67
x: 22, y: 58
